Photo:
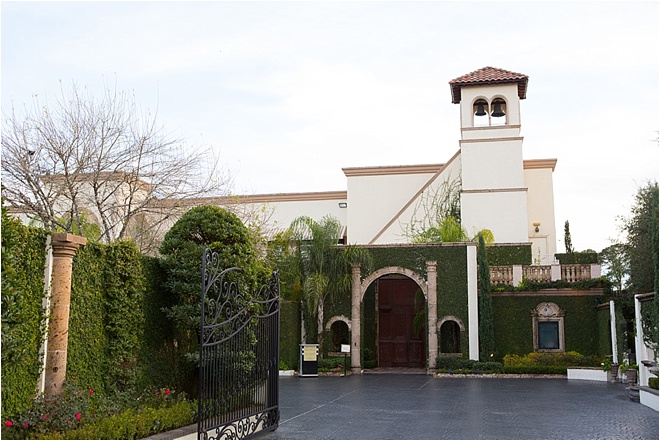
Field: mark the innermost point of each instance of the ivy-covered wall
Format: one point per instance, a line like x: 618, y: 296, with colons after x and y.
x: 451, y: 289
x: 604, y: 333
x: 290, y: 334
x: 509, y: 254
x: 118, y: 336
x: 513, y: 322
x: 107, y: 324
x: 581, y: 257
x: 604, y: 330
x: 23, y: 262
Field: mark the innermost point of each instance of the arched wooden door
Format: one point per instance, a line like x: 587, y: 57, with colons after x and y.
x: 398, y: 344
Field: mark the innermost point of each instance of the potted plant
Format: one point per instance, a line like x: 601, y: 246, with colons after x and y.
x: 631, y: 374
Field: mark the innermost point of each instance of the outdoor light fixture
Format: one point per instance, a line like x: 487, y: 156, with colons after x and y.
x: 536, y: 226
x: 343, y: 205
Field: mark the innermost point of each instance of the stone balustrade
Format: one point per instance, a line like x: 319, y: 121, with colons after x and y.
x: 514, y: 274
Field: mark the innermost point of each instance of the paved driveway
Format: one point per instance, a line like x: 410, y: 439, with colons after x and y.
x: 387, y: 406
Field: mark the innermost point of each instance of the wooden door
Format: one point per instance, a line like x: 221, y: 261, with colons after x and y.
x: 397, y: 344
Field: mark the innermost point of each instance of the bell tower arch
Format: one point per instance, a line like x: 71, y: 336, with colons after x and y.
x: 493, y: 194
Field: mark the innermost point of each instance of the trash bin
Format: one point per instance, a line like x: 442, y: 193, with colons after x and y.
x: 309, y: 360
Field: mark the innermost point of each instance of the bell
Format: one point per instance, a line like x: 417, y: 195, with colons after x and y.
x: 480, y: 109
x: 497, y: 112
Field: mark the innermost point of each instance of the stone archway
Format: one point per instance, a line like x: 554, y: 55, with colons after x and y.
x: 428, y: 287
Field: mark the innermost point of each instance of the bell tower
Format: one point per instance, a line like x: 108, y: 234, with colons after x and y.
x: 493, y: 193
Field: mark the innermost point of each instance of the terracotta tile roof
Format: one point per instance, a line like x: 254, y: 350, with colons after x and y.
x: 488, y: 75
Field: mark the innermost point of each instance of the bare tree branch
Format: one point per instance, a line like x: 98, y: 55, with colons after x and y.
x: 101, y: 154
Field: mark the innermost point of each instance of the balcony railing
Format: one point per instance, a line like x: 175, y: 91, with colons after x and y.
x: 514, y: 274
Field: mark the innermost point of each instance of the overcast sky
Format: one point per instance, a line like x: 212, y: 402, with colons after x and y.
x: 288, y: 93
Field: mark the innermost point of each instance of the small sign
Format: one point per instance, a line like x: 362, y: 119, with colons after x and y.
x: 309, y: 353
x: 346, y: 348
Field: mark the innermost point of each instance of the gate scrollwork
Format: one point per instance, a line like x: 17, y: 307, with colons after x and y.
x: 239, y: 354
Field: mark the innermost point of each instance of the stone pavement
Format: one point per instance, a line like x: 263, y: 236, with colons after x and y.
x: 390, y: 406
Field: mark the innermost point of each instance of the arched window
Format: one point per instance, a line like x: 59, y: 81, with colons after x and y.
x: 498, y: 112
x: 480, y: 113
x: 339, y: 334
x: 450, y: 337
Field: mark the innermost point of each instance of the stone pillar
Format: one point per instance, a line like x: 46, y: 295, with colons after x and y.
x: 356, y: 299
x: 517, y: 275
x: 65, y: 246
x: 431, y: 288
x: 555, y: 272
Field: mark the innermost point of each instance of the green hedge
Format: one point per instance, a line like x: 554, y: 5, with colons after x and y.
x: 509, y: 255
x: 577, y: 258
x: 118, y: 337
x: 570, y: 358
x: 452, y: 364
x: 107, y: 325
x: 23, y: 262
x: 290, y: 334
x: 535, y: 370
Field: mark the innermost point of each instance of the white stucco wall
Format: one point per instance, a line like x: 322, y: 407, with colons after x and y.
x: 419, y: 212
x: 375, y: 199
x: 492, y: 164
x: 278, y: 211
x: 541, y: 208
x: 504, y: 213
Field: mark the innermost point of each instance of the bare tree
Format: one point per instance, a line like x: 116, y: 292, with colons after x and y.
x: 103, y: 159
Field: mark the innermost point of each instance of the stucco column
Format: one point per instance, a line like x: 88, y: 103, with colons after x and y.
x: 473, y: 302
x: 431, y: 288
x: 356, y: 298
x: 65, y: 246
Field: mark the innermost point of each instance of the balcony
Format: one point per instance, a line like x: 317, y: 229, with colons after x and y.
x: 514, y: 274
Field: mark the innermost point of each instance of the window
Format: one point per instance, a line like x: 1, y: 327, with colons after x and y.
x: 480, y: 113
x: 548, y: 327
x: 340, y: 335
x: 450, y: 337
x: 548, y: 335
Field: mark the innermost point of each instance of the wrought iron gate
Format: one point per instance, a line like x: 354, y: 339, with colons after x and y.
x: 239, y: 354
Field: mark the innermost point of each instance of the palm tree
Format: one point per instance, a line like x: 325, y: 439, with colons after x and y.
x: 325, y: 267
x: 449, y: 229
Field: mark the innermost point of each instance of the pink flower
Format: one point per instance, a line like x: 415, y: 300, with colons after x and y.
x: 91, y: 392
x: 9, y: 423
x: 25, y: 425
x: 78, y: 416
x: 167, y: 391
x: 45, y: 417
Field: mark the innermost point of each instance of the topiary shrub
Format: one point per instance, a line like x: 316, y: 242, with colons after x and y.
x: 181, y: 249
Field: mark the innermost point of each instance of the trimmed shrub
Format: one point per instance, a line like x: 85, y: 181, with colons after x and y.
x: 653, y: 383
x: 570, y: 358
x: 182, y: 248
x: 456, y: 365
x: 538, y: 370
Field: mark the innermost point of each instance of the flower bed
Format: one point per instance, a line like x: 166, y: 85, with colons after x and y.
x: 83, y: 414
